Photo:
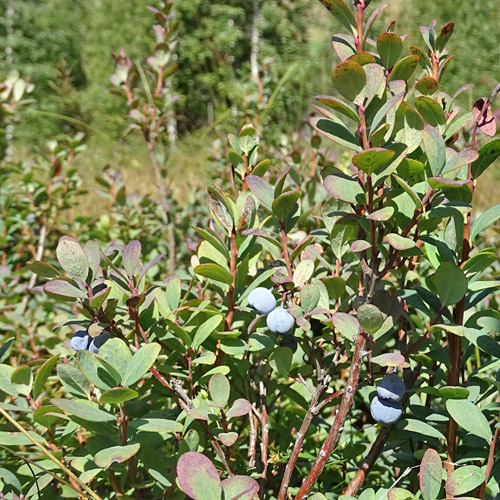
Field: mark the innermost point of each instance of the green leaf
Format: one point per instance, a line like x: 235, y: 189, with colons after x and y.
x: 468, y: 416
x: 414, y: 196
x: 117, y: 395
x: 337, y: 133
x: 347, y: 325
x: 99, y: 372
x: 404, y: 68
x: 389, y: 46
x: 413, y: 129
x: 344, y: 188
x: 160, y: 425
x: 450, y: 282
x: 483, y: 340
x: 219, y: 389
x: 338, y: 106
x: 443, y: 36
x: 281, y: 360
x: 284, y: 204
x: 427, y: 85
x: 117, y: 353
x: 83, y: 409
x: 464, y: 479
x: 93, y: 253
x: 215, y: 272
x: 205, y: 330
x: 370, y: 160
x: 173, y: 292
x: 18, y: 439
x: 370, y: 318
x: 43, y: 374
x: 130, y: 256
x: 453, y: 392
x: 72, y: 258
x: 240, y: 487
x: 214, y: 240
x: 6, y: 385
x: 430, y: 475
x: 309, y: 297
x: 435, y: 149
x: 393, y: 102
x: 115, y: 454
x: 342, y: 12
x: 198, y: 477
x: 375, y: 81
x: 485, y: 220
x: 349, y: 79
x: 488, y: 153
x: 140, y: 363
x: 42, y: 269
x: 431, y: 110
x: 400, y: 494
x: 399, y: 242
x: 219, y: 207
x: 420, y: 427
x: 262, y: 190
x: 458, y: 160
x: 63, y: 288
x: 74, y: 380
x: 22, y: 379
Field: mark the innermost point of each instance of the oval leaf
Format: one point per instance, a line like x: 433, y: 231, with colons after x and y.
x: 140, y: 363
x: 115, y: 454
x: 72, y: 258
x: 430, y: 475
x: 198, y: 477
x: 468, y: 416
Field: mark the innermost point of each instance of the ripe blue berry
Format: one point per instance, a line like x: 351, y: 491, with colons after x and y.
x: 385, y: 410
x: 80, y: 340
x: 262, y: 300
x: 98, y: 341
x: 391, y: 387
x: 280, y: 321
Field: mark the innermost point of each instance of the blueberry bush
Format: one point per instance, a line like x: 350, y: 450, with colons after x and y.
x: 320, y: 323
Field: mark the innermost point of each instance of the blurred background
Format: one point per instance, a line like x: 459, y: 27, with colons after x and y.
x: 65, y: 50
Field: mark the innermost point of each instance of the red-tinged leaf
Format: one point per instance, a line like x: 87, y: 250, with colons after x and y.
x: 116, y: 454
x: 360, y: 245
x: 393, y: 359
x: 239, y: 408
x: 389, y: 46
x: 261, y: 189
x: 463, y: 480
x: 228, y: 438
x: 443, y: 36
x: 381, y: 215
x: 430, y: 475
x: 64, y: 289
x: 130, y: 256
x: 444, y: 183
x: 347, y: 325
x: 338, y: 106
x: 198, y: 477
x: 399, y: 242
x: 240, y: 488
x: 349, y: 79
x: 427, y: 85
x: 484, y: 117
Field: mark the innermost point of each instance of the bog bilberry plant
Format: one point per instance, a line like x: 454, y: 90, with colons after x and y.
x: 380, y: 266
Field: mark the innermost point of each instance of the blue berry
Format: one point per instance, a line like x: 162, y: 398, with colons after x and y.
x: 391, y: 387
x: 280, y: 321
x: 80, y: 340
x: 385, y: 410
x: 262, y: 300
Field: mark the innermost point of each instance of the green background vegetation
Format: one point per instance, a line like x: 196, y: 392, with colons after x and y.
x: 64, y: 48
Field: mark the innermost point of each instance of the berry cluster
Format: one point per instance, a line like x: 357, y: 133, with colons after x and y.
x: 386, y: 406
x: 279, y: 320
x: 82, y: 341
